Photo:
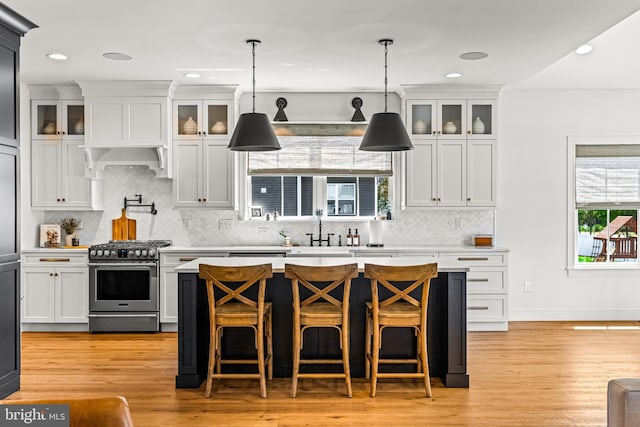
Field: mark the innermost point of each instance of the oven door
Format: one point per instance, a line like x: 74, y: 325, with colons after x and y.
x: 123, y: 287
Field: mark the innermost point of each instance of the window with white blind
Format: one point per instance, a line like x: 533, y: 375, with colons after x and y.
x: 327, y: 172
x: 604, y: 189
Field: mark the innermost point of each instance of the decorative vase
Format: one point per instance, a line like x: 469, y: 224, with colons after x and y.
x: 419, y: 127
x: 287, y: 241
x: 78, y: 127
x: 478, y: 126
x: 49, y: 129
x: 219, y: 128
x: 449, y: 128
x: 189, y: 127
x: 69, y: 240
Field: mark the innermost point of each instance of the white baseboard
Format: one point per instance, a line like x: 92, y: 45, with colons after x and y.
x: 584, y: 315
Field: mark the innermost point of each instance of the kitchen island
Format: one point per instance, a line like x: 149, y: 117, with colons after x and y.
x: 447, y: 330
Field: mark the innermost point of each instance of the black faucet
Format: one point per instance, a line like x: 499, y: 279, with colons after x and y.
x: 320, y: 239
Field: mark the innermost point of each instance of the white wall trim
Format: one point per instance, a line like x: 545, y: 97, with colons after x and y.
x: 583, y: 315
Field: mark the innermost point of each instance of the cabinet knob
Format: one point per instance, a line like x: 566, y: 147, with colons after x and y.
x: 64, y: 200
x: 50, y: 274
x: 439, y: 132
x: 55, y: 274
x: 469, y: 132
x: 199, y: 132
x: 204, y: 200
x: 64, y: 133
x: 468, y: 199
x: 204, y: 133
x: 57, y: 132
x: 434, y: 199
x: 439, y: 199
x: 434, y: 132
x: 199, y: 200
x: 58, y: 199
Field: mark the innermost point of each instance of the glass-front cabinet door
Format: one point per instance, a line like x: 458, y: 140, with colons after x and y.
x: 451, y: 122
x: 195, y: 119
x: 421, y: 119
x: 55, y: 119
x: 481, y: 119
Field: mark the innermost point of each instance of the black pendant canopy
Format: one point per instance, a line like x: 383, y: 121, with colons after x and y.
x: 386, y: 132
x: 253, y: 131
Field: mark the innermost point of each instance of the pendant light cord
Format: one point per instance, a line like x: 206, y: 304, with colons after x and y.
x: 386, y: 43
x: 253, y: 81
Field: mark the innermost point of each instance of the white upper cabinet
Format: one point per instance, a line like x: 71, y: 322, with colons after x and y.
x: 198, y: 119
x: 453, y: 163
x: 57, y: 119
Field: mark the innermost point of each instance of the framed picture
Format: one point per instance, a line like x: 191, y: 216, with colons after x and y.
x: 256, y: 211
x: 49, y: 235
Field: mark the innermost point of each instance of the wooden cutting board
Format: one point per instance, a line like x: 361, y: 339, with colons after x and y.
x: 123, y: 228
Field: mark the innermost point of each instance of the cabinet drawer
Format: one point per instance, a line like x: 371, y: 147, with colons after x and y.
x: 480, y: 281
x: 44, y: 260
x: 470, y: 260
x: 174, y: 260
x: 486, y: 308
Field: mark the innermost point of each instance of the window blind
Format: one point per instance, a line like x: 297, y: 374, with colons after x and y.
x: 608, y: 175
x: 327, y: 155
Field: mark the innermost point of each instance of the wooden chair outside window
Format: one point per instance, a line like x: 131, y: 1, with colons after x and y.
x: 393, y: 306
x: 314, y: 306
x: 234, y: 309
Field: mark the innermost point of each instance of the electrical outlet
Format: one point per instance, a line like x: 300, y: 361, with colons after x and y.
x: 458, y: 223
x: 528, y: 286
x: 225, y: 224
x: 80, y: 225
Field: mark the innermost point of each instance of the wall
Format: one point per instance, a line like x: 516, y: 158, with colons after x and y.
x: 532, y: 191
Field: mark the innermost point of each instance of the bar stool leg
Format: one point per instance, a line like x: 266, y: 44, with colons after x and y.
x: 213, y: 344
x: 261, y: 370
x: 269, y: 328
x: 424, y: 359
x: 345, y: 358
x: 376, y: 358
x: 296, y: 357
x: 367, y: 345
x: 218, y: 336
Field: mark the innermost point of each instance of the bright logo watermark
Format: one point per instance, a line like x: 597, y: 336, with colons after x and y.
x: 34, y: 415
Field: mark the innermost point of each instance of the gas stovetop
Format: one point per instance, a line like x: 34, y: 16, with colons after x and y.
x: 127, y: 250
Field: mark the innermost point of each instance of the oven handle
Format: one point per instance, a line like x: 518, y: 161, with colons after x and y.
x: 124, y: 314
x: 122, y: 264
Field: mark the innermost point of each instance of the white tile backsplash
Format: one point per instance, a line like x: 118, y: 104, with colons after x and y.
x: 201, y: 227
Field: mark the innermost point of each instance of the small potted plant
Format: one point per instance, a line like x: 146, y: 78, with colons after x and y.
x: 69, y: 225
x: 287, y: 239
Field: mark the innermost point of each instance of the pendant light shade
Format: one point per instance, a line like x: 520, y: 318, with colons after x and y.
x: 386, y: 132
x: 253, y: 131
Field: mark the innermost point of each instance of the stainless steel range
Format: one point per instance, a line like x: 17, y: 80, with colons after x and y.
x: 123, y: 286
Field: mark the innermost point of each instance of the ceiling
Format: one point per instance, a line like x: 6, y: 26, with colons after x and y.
x: 330, y: 45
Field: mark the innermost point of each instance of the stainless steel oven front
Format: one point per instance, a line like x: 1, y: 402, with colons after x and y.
x: 123, y: 297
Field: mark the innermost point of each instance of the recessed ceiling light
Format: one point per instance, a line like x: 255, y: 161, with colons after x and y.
x: 584, y: 49
x: 117, y: 56
x: 192, y: 75
x: 57, y: 56
x: 472, y: 56
x: 453, y: 75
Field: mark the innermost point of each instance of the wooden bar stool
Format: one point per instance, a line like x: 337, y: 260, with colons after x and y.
x: 236, y: 310
x: 392, y: 306
x: 317, y: 284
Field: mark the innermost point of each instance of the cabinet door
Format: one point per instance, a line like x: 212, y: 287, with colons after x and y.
x: 104, y: 121
x: 481, y: 119
x: 45, y: 173
x: 421, y: 119
x: 421, y: 174
x: 72, y: 119
x: 168, y: 295
x: 146, y: 121
x: 452, y: 178
x: 452, y: 119
x: 217, y: 175
x: 187, y: 119
x: 481, y: 167
x: 38, y: 298
x: 9, y: 103
x: 71, y: 295
x: 217, y: 119
x: 187, y: 172
x: 45, y: 120
x: 76, y: 189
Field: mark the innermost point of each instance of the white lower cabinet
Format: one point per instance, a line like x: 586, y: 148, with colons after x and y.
x: 55, y: 288
x: 169, y: 281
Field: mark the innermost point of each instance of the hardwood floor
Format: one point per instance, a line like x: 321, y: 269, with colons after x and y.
x: 537, y: 374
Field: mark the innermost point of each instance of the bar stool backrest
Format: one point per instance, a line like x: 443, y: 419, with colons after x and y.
x: 400, y: 282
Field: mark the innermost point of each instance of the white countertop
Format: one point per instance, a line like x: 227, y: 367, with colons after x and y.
x: 331, y: 249
x: 278, y: 263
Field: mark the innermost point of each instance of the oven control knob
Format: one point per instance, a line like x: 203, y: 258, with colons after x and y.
x: 106, y: 252
x: 137, y: 252
x: 144, y: 252
x: 152, y: 252
x: 131, y: 253
x: 92, y: 253
x: 99, y: 252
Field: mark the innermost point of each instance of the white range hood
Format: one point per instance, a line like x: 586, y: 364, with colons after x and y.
x: 127, y: 123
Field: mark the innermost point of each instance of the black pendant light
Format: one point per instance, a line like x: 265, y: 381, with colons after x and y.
x: 253, y: 131
x: 386, y: 132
